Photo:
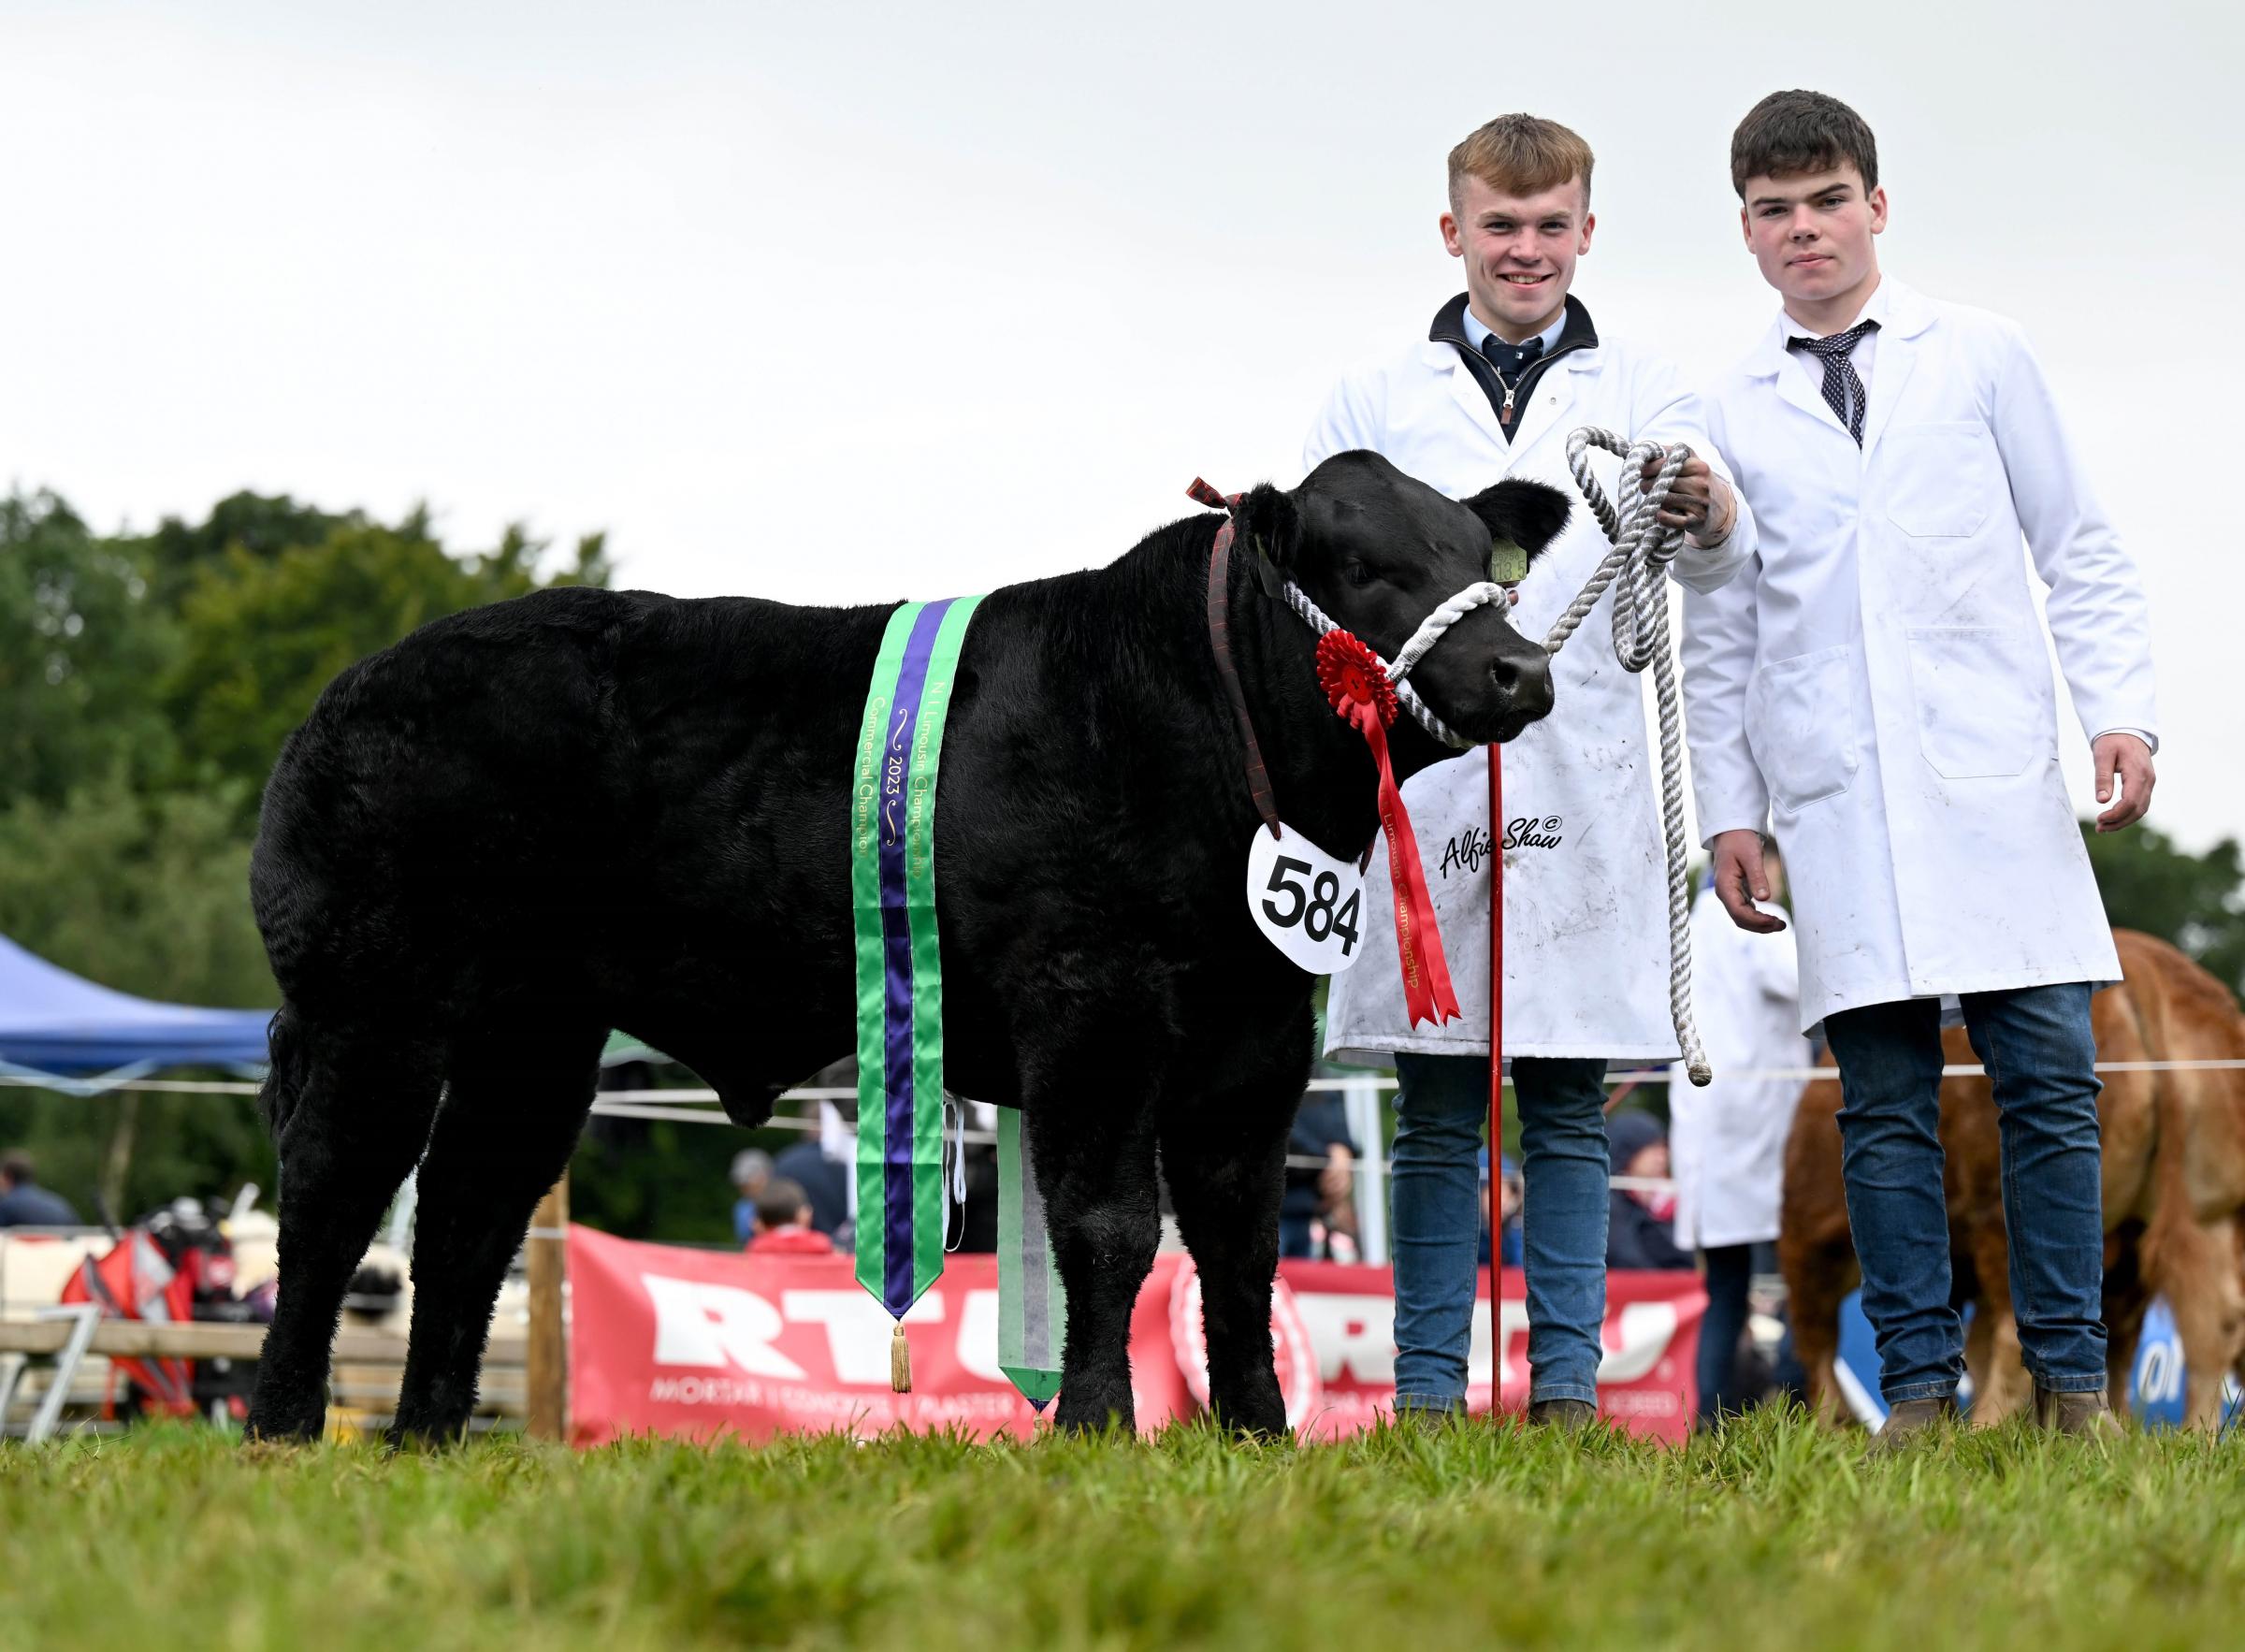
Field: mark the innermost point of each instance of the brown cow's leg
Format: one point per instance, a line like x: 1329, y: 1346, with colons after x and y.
x: 1817, y: 1279
x: 2196, y: 1272
x: 1999, y: 1385
x: 1225, y: 1158
x: 351, y: 1112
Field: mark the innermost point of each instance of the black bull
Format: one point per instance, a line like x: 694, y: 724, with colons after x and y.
x: 583, y: 809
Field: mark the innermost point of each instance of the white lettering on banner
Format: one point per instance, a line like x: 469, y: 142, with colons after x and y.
x: 1644, y: 1332
x: 1355, y: 1336
x: 858, y: 1329
x: 707, y: 1325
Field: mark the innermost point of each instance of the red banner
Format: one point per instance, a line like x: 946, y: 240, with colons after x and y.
x: 669, y: 1341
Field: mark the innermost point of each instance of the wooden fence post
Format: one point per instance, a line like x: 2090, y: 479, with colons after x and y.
x: 546, y: 1358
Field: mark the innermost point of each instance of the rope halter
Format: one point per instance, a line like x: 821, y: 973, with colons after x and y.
x: 1446, y: 614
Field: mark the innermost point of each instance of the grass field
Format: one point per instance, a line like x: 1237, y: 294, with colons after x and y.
x: 1774, y: 1536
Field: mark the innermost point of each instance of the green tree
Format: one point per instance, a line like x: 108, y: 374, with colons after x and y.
x: 145, y: 892
x: 80, y: 643
x: 2195, y: 901
x: 146, y: 683
x: 262, y: 634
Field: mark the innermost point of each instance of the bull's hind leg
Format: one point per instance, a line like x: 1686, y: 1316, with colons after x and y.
x: 1225, y: 1158
x: 513, y: 1111
x: 351, y: 1116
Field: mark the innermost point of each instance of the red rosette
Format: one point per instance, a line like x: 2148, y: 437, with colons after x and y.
x: 1351, y: 677
x: 1356, y: 684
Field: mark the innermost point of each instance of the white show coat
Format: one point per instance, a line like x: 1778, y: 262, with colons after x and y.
x: 1876, y: 682
x: 1727, y: 1143
x: 1584, y: 891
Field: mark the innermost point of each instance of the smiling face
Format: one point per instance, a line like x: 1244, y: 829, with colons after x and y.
x: 1379, y: 551
x: 1519, y: 250
x: 1811, y: 233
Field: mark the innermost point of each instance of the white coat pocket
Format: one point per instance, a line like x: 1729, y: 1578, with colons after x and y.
x: 1934, y: 478
x: 1801, y: 725
x: 1979, y: 714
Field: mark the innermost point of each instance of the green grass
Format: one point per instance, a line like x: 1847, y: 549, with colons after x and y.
x: 1776, y: 1535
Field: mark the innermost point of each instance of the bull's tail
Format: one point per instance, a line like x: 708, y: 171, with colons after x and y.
x: 284, y: 1079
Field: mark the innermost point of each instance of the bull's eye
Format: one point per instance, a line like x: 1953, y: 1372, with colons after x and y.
x: 1358, y: 574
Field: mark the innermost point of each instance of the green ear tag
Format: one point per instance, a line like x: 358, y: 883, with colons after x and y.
x: 1508, y: 563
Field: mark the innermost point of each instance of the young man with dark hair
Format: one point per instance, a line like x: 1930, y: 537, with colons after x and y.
x: 1876, y: 683
x: 1510, y: 367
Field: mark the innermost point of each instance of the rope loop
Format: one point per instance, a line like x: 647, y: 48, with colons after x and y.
x: 1634, y: 568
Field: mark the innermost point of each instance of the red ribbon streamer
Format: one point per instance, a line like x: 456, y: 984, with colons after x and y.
x: 1359, y: 690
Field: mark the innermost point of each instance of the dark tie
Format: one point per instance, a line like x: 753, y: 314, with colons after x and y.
x: 1512, y: 359
x: 1843, y: 391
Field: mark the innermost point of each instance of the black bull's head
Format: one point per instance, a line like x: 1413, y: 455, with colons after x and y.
x: 1379, y: 551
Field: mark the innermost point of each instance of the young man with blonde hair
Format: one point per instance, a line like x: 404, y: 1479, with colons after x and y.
x: 1877, y: 681
x: 1509, y: 368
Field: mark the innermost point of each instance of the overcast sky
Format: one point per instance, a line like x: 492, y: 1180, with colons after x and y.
x: 854, y: 303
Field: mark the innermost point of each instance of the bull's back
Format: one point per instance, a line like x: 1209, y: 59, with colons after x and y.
x: 520, y: 777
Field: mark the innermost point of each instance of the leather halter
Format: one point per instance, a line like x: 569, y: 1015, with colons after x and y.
x: 1219, y: 642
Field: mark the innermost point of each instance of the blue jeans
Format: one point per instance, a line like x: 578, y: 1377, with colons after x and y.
x: 1730, y: 1273
x: 1442, y: 1107
x: 2036, y: 1045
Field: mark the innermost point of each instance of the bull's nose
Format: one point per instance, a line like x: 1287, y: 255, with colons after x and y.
x: 1523, y: 679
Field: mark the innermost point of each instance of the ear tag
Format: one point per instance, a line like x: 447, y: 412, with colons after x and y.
x: 1307, y: 903
x: 1508, y: 563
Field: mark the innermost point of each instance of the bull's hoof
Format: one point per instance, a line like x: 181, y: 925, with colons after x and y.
x: 1091, y: 1409
x: 421, y: 1439
x: 275, y: 1426
x: 1259, y: 1417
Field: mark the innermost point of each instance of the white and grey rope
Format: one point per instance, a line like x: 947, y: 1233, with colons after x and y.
x: 1635, y: 568
x: 1448, y: 614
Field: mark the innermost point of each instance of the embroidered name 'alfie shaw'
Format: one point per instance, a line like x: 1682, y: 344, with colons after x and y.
x: 1466, y: 851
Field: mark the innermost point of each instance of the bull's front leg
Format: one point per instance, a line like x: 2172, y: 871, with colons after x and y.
x: 1224, y: 1157
x: 1089, y: 1123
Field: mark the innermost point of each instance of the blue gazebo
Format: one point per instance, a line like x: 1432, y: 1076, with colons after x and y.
x: 55, y: 1025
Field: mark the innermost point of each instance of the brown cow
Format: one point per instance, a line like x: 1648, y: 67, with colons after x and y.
x: 2174, y: 1179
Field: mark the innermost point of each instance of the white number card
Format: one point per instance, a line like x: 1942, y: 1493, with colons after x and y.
x: 1307, y: 903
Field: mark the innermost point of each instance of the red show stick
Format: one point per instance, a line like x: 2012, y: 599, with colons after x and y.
x: 1496, y: 1081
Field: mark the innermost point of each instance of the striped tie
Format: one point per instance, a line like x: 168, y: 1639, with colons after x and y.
x: 1843, y: 391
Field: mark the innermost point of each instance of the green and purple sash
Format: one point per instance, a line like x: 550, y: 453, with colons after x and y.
x: 900, y: 969
x: 901, y: 1208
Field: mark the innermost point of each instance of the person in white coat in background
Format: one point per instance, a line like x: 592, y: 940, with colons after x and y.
x: 1877, y: 685
x: 1509, y: 368
x: 1726, y: 1142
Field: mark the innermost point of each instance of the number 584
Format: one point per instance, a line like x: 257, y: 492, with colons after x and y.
x: 1311, y: 907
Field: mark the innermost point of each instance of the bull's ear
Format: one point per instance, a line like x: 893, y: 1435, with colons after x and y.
x: 1270, y: 529
x: 1522, y: 517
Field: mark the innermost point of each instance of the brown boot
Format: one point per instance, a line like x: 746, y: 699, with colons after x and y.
x: 1562, y: 1413
x: 1909, y: 1423
x: 2086, y: 1412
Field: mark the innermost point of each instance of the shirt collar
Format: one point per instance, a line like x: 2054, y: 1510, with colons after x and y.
x: 1574, y: 329
x: 1876, y: 308
x: 1478, y: 336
